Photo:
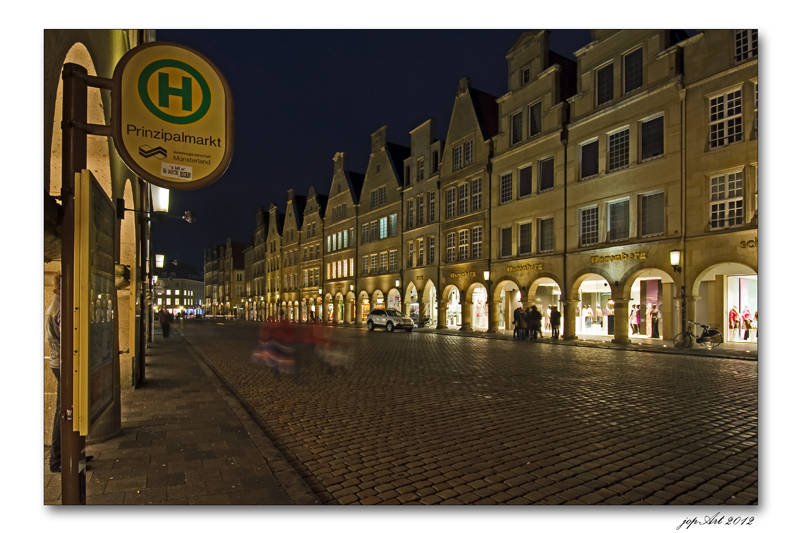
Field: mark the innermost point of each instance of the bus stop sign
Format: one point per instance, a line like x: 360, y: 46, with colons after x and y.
x: 172, y: 116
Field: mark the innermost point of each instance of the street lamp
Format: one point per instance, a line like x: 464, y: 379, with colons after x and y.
x: 159, y: 261
x: 675, y: 260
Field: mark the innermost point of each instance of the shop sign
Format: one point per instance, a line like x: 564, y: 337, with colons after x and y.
x: 619, y: 257
x: 172, y: 116
x: 462, y: 274
x: 520, y: 268
x: 749, y: 244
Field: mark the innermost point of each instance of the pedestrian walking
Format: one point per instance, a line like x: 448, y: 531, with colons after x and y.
x: 164, y: 318
x: 516, y: 322
x: 536, y: 323
x: 555, y: 321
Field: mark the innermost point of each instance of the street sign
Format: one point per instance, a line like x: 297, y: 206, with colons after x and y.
x: 172, y: 116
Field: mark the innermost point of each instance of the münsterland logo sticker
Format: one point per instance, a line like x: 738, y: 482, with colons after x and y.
x: 158, y: 152
x: 184, y: 92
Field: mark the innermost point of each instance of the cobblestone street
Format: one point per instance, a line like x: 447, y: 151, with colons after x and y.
x: 427, y: 418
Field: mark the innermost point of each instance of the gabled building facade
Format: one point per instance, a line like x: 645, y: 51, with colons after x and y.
x: 380, y: 220
x: 311, y: 242
x: 340, y: 250
x: 421, y: 201
x: 274, y: 263
x: 720, y: 251
x: 290, y: 248
x: 528, y: 186
x: 464, y: 209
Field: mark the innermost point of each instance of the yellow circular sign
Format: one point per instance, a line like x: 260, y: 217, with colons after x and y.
x: 172, y: 116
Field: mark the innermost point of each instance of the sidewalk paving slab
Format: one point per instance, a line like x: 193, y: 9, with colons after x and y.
x: 185, y: 440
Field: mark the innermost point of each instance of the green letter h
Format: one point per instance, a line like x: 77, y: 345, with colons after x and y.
x: 165, y: 91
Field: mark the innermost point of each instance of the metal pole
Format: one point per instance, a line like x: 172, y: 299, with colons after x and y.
x: 73, y: 159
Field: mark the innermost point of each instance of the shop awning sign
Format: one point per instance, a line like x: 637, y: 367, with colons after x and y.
x: 172, y: 116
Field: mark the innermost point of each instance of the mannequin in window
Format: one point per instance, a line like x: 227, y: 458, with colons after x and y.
x: 733, y: 322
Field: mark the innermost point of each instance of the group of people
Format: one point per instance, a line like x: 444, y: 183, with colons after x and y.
x: 528, y: 322
x: 742, y: 323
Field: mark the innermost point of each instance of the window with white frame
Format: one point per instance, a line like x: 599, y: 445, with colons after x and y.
x: 618, y: 220
x: 506, y: 185
x: 505, y: 242
x: 384, y: 261
x: 450, y: 203
x: 431, y: 206
x: 590, y: 163
x: 477, y: 242
x: 534, y: 119
x: 344, y: 238
x: 477, y: 194
x: 420, y: 169
x: 338, y: 269
x: 725, y: 119
x: 745, y: 44
x: 364, y: 265
x: 383, y: 227
x: 410, y: 215
x: 546, y: 235
x: 727, y: 200
x: 451, y: 247
x: 755, y: 108
x: 364, y: 233
x: 431, y: 250
x: 469, y: 152
x: 463, y: 245
x: 463, y: 198
x: 392, y: 260
x: 373, y: 230
x: 605, y: 84
x: 305, y: 278
x: 373, y: 199
x: 373, y: 263
x: 329, y: 244
x: 525, y: 234
x: 420, y: 210
x: 525, y: 187
x: 516, y: 128
x: 524, y: 75
x: 652, y: 138
x: 618, y: 150
x: 382, y: 195
x: 589, y: 226
x: 651, y: 214
x: 344, y: 268
x: 546, y: 174
x: 457, y: 161
x: 393, y: 225
x: 634, y: 73
x: 410, y: 258
x: 421, y: 251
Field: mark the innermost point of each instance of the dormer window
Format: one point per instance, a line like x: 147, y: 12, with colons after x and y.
x: 525, y: 76
x: 633, y: 70
x: 745, y: 45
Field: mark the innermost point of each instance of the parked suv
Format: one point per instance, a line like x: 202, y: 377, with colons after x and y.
x: 389, y: 319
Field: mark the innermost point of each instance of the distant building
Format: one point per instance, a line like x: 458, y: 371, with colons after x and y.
x: 183, y: 287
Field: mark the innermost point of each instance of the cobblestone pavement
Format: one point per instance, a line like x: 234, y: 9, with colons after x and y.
x: 440, y: 419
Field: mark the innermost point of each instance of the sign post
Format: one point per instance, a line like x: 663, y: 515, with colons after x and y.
x: 172, y: 125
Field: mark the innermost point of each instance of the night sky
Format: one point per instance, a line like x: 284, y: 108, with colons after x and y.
x: 302, y: 96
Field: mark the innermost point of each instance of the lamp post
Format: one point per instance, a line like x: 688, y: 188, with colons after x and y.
x: 675, y: 261
x: 492, y: 328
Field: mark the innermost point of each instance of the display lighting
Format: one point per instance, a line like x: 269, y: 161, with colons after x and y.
x: 159, y: 261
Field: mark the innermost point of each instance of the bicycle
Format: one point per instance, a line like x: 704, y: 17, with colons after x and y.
x: 685, y: 338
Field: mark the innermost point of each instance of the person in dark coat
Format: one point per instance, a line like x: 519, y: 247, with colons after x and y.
x: 517, y: 319
x: 535, y: 323
x: 555, y: 322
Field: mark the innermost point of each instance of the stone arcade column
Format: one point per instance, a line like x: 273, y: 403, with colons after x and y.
x: 466, y: 316
x: 621, y: 326
x: 494, y: 315
x: 442, y: 312
x: 569, y: 319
